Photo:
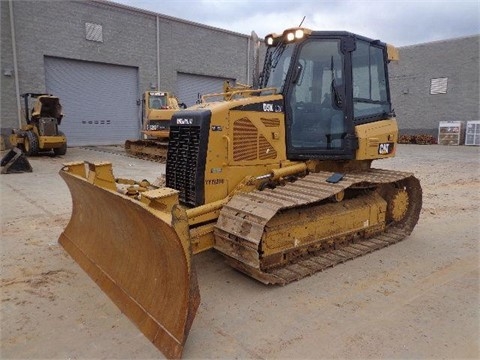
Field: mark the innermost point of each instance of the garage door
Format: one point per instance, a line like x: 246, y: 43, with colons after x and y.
x: 190, y: 87
x: 99, y: 100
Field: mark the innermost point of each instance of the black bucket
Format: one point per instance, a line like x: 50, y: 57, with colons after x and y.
x: 15, y: 162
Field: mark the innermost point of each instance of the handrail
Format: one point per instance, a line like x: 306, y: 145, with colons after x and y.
x: 230, y: 94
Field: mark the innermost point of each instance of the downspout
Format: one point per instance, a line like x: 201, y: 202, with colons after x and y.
x: 158, y: 53
x: 248, y: 60
x: 256, y: 55
x: 15, y: 67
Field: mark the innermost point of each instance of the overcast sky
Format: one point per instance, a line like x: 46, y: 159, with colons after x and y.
x: 401, y: 23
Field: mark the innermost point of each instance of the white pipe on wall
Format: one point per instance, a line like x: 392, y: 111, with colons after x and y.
x: 248, y: 60
x: 15, y: 67
x: 158, y: 53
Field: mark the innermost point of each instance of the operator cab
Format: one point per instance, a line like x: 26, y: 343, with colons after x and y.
x: 330, y: 82
x: 158, y: 100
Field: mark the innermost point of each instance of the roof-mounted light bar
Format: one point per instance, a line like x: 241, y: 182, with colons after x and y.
x: 288, y: 36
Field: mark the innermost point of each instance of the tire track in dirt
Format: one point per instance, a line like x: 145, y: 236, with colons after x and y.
x: 29, y: 199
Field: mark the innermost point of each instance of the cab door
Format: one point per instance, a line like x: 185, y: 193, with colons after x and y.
x: 318, y: 124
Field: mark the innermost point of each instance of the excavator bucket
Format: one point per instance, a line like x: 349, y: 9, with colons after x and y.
x: 138, y: 255
x: 15, y: 162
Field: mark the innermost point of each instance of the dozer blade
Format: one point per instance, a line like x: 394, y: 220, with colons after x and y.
x: 139, y: 258
x: 15, y: 162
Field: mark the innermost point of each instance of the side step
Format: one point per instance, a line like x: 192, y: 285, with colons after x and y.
x: 15, y: 162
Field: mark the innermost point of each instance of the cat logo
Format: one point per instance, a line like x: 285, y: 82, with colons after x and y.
x: 385, y: 148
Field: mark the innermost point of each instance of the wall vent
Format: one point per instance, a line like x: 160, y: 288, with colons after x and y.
x: 94, y: 32
x: 438, y: 86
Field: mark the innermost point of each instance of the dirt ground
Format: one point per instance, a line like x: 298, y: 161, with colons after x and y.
x: 416, y: 299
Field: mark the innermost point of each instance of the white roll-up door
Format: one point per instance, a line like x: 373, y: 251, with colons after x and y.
x: 190, y: 87
x: 99, y: 100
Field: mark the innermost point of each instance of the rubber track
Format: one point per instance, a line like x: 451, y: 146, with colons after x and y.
x: 258, y: 207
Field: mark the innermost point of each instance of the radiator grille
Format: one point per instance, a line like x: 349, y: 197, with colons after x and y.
x: 182, y: 162
x: 248, y: 144
x: 48, y: 127
x: 245, y: 139
x: 275, y: 122
x: 265, y: 150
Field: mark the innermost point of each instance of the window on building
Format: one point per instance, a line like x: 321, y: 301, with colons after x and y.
x: 438, y: 86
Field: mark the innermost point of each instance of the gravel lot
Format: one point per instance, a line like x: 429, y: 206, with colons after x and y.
x: 415, y: 299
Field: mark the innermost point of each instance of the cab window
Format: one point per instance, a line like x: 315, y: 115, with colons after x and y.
x: 370, y: 99
x: 317, y: 120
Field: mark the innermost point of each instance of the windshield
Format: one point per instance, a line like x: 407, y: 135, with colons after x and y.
x: 275, y: 68
x: 158, y: 102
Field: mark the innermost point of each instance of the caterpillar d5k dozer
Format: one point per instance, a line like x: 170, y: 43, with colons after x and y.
x: 278, y: 179
x: 157, y: 110
x: 41, y: 131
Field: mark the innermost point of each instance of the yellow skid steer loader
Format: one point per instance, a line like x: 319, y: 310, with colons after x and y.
x: 41, y: 133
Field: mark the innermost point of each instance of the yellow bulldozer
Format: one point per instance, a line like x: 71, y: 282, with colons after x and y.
x: 40, y: 133
x: 278, y: 178
x: 157, y: 110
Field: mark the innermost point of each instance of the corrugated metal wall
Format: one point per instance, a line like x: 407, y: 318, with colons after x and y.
x: 99, y: 100
x: 190, y: 87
